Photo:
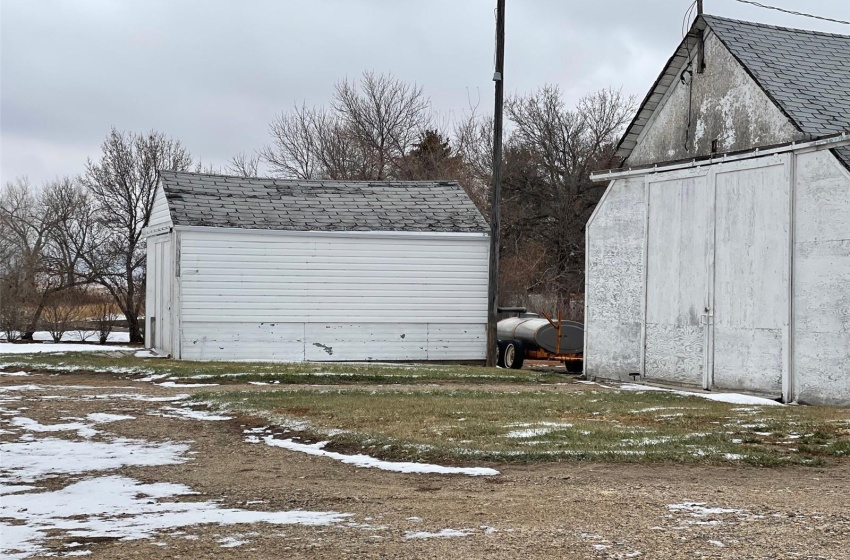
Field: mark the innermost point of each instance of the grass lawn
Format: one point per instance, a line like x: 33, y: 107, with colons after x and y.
x: 448, y: 423
x: 283, y: 373
x: 445, y: 425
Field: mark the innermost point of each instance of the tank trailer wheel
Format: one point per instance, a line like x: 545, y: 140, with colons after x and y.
x: 500, y: 354
x: 511, y: 354
x: 574, y: 366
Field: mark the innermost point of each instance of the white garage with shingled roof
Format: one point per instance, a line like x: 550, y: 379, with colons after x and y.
x: 281, y: 270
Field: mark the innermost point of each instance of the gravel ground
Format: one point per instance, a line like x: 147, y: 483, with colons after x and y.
x: 558, y: 510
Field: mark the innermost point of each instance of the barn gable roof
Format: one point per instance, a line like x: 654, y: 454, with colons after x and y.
x: 805, y: 73
x: 196, y: 199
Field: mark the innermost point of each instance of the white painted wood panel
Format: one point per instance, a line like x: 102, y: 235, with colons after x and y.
x: 822, y: 281
x: 160, y: 216
x: 268, y: 295
x: 614, y: 283
x: 751, y: 296
x: 212, y: 340
x: 159, y: 321
x: 294, y: 342
x: 677, y: 278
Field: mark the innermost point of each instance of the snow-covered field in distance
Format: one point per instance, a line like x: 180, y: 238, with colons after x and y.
x: 71, y: 342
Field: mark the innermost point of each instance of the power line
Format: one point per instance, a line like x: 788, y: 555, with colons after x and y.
x: 792, y: 12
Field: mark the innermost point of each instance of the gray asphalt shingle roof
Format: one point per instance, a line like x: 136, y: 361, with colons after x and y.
x: 805, y: 73
x: 255, y: 203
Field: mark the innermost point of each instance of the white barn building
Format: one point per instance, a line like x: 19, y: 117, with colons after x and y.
x: 274, y: 270
x: 719, y: 256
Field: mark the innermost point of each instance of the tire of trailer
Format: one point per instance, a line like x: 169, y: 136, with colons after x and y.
x: 512, y: 354
x: 574, y: 366
x: 500, y: 354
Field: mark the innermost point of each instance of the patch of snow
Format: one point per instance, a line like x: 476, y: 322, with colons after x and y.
x: 123, y: 508
x: 733, y: 456
x: 14, y: 373
x: 76, y: 336
x: 154, y: 377
x: 191, y: 414
x: 27, y: 461
x: 45, y: 347
x: 103, y: 417
x: 366, y: 461
x: 30, y: 425
x: 733, y: 398
x: 717, y: 544
x: 11, y: 489
x: 584, y: 382
x: 441, y: 534
x: 648, y: 441
x: 534, y: 429
x: 173, y: 384
x: 699, y: 509
x: 148, y: 354
x: 231, y: 542
x: 132, y: 397
x: 20, y: 388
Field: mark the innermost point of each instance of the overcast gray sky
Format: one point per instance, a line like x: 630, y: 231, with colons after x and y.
x: 213, y: 73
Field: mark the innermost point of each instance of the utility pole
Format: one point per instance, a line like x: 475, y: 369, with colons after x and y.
x: 495, y: 215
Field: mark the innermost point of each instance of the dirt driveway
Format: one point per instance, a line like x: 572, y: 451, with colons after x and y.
x: 556, y: 510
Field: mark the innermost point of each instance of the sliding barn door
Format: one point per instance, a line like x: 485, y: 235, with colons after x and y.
x: 678, y: 247
x: 718, y: 275
x: 752, y: 275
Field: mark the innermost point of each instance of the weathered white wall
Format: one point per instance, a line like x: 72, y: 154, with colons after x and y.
x: 160, y: 216
x: 290, y: 297
x: 725, y: 104
x: 614, y: 298
x: 822, y: 280
x: 725, y: 238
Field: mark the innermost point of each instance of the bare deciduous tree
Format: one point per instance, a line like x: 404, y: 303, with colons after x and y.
x: 556, y: 149
x: 244, y: 165
x: 40, y: 258
x: 473, y: 138
x: 122, y: 185
x: 315, y: 143
x: 370, y: 127
x: 104, y: 319
x: 385, y: 114
x: 62, y: 312
x: 11, y: 307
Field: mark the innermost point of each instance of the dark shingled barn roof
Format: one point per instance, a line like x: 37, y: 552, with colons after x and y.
x: 196, y: 199
x: 805, y: 73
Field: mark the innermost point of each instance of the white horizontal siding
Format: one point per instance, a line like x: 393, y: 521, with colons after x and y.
x: 271, y: 296
x: 295, y: 342
x: 160, y: 216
